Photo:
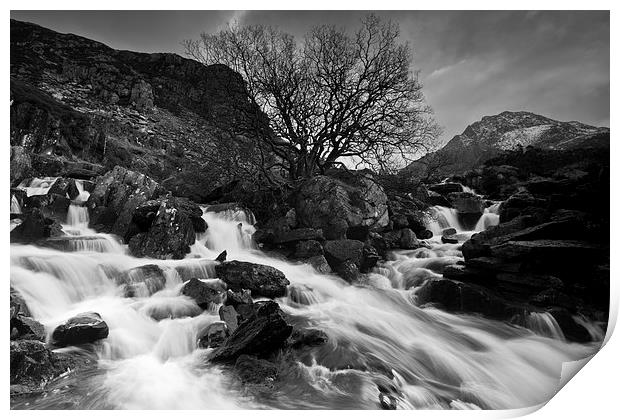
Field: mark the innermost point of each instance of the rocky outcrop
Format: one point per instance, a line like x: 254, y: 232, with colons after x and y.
x: 260, y: 336
x: 261, y: 280
x: 35, y: 227
x: 115, y: 197
x: 334, y: 206
x: 169, y: 235
x: 84, y: 328
x: 204, y: 293
x: 487, y: 138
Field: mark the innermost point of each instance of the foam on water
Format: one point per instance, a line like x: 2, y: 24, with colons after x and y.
x: 377, y: 335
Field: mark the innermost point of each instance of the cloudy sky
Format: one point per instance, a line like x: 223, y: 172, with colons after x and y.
x: 472, y: 63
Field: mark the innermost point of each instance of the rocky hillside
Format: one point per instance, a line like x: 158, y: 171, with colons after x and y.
x: 77, y: 100
x: 484, y: 139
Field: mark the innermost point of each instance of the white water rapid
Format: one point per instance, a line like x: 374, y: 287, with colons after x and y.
x: 377, y: 333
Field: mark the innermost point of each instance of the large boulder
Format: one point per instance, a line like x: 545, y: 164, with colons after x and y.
x: 446, y: 188
x: 260, y: 336
x: 261, y: 280
x: 170, y: 234
x: 83, y: 328
x: 205, y: 293
x: 332, y: 205
x: 35, y: 227
x: 52, y: 205
x: 20, y: 166
x: 116, y: 196
x: 469, y: 207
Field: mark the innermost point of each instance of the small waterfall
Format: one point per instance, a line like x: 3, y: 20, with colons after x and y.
x: 442, y: 218
x: 15, y: 207
x: 83, y: 195
x: 487, y: 220
x: 229, y: 230
x: 77, y: 217
x: 543, y: 323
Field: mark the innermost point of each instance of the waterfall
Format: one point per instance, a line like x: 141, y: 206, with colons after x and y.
x: 442, y: 218
x: 487, y: 219
x: 544, y: 323
x: 77, y: 217
x: 377, y: 334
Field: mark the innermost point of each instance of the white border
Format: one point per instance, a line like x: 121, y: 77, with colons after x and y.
x: 591, y: 395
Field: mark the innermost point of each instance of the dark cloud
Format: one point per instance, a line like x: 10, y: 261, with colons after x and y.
x: 472, y: 63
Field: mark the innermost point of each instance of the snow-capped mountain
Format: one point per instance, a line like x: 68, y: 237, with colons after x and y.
x: 484, y: 139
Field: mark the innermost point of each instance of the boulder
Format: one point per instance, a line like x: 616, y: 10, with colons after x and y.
x: 436, y: 199
x: 26, y: 328
x: 408, y: 239
x: 519, y: 204
x: 448, y: 236
x: 215, y: 335
x: 83, y: 328
x: 467, y: 202
x: 35, y: 227
x: 242, y: 297
x: 116, y: 196
x: 456, y: 296
x: 204, y: 293
x: 399, y: 239
x: 334, y: 206
x: 260, y: 336
x: 31, y: 364
x: 230, y: 316
x: 142, y: 281
x: 307, y: 337
x: 446, y: 188
x: 261, y: 280
x: 319, y: 263
x: 20, y: 165
x: 298, y: 235
x: 52, y: 206
x: 170, y: 235
x: 307, y: 249
x: 252, y: 370
x: 339, y: 251
x: 65, y: 187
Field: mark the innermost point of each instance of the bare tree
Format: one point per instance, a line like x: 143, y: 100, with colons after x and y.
x: 333, y: 97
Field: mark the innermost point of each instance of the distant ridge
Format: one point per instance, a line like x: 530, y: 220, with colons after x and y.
x: 508, y: 130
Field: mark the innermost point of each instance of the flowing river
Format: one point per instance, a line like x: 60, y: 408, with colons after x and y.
x: 378, y: 336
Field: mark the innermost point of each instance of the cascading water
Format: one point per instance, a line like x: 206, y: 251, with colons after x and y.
x: 443, y: 217
x: 377, y: 334
x: 15, y: 207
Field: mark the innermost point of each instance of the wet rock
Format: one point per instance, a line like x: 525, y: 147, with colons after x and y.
x: 408, y: 239
x: 334, y: 206
x: 170, y: 235
x: 264, y: 236
x: 18, y: 304
x: 520, y: 204
x: 65, y: 187
x: 307, y: 249
x: 446, y: 188
x: 400, y: 221
x: 116, y: 196
x: 53, y: 206
x: 221, y: 257
x: 20, y: 164
x: 261, y: 280
x: 307, y: 337
x: 436, y: 199
x: 242, y: 297
x: 340, y: 251
x: 571, y: 329
x: 319, y: 263
x: 260, y: 336
x: 84, y: 328
x: 297, y: 235
x: 34, y: 227
x: 142, y: 281
x: 205, y: 294
x: 26, y: 328
x: 456, y: 296
x: 424, y: 234
x: 448, y: 236
x: 230, y: 316
x: 252, y: 370
x: 31, y: 364
x: 214, y: 336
